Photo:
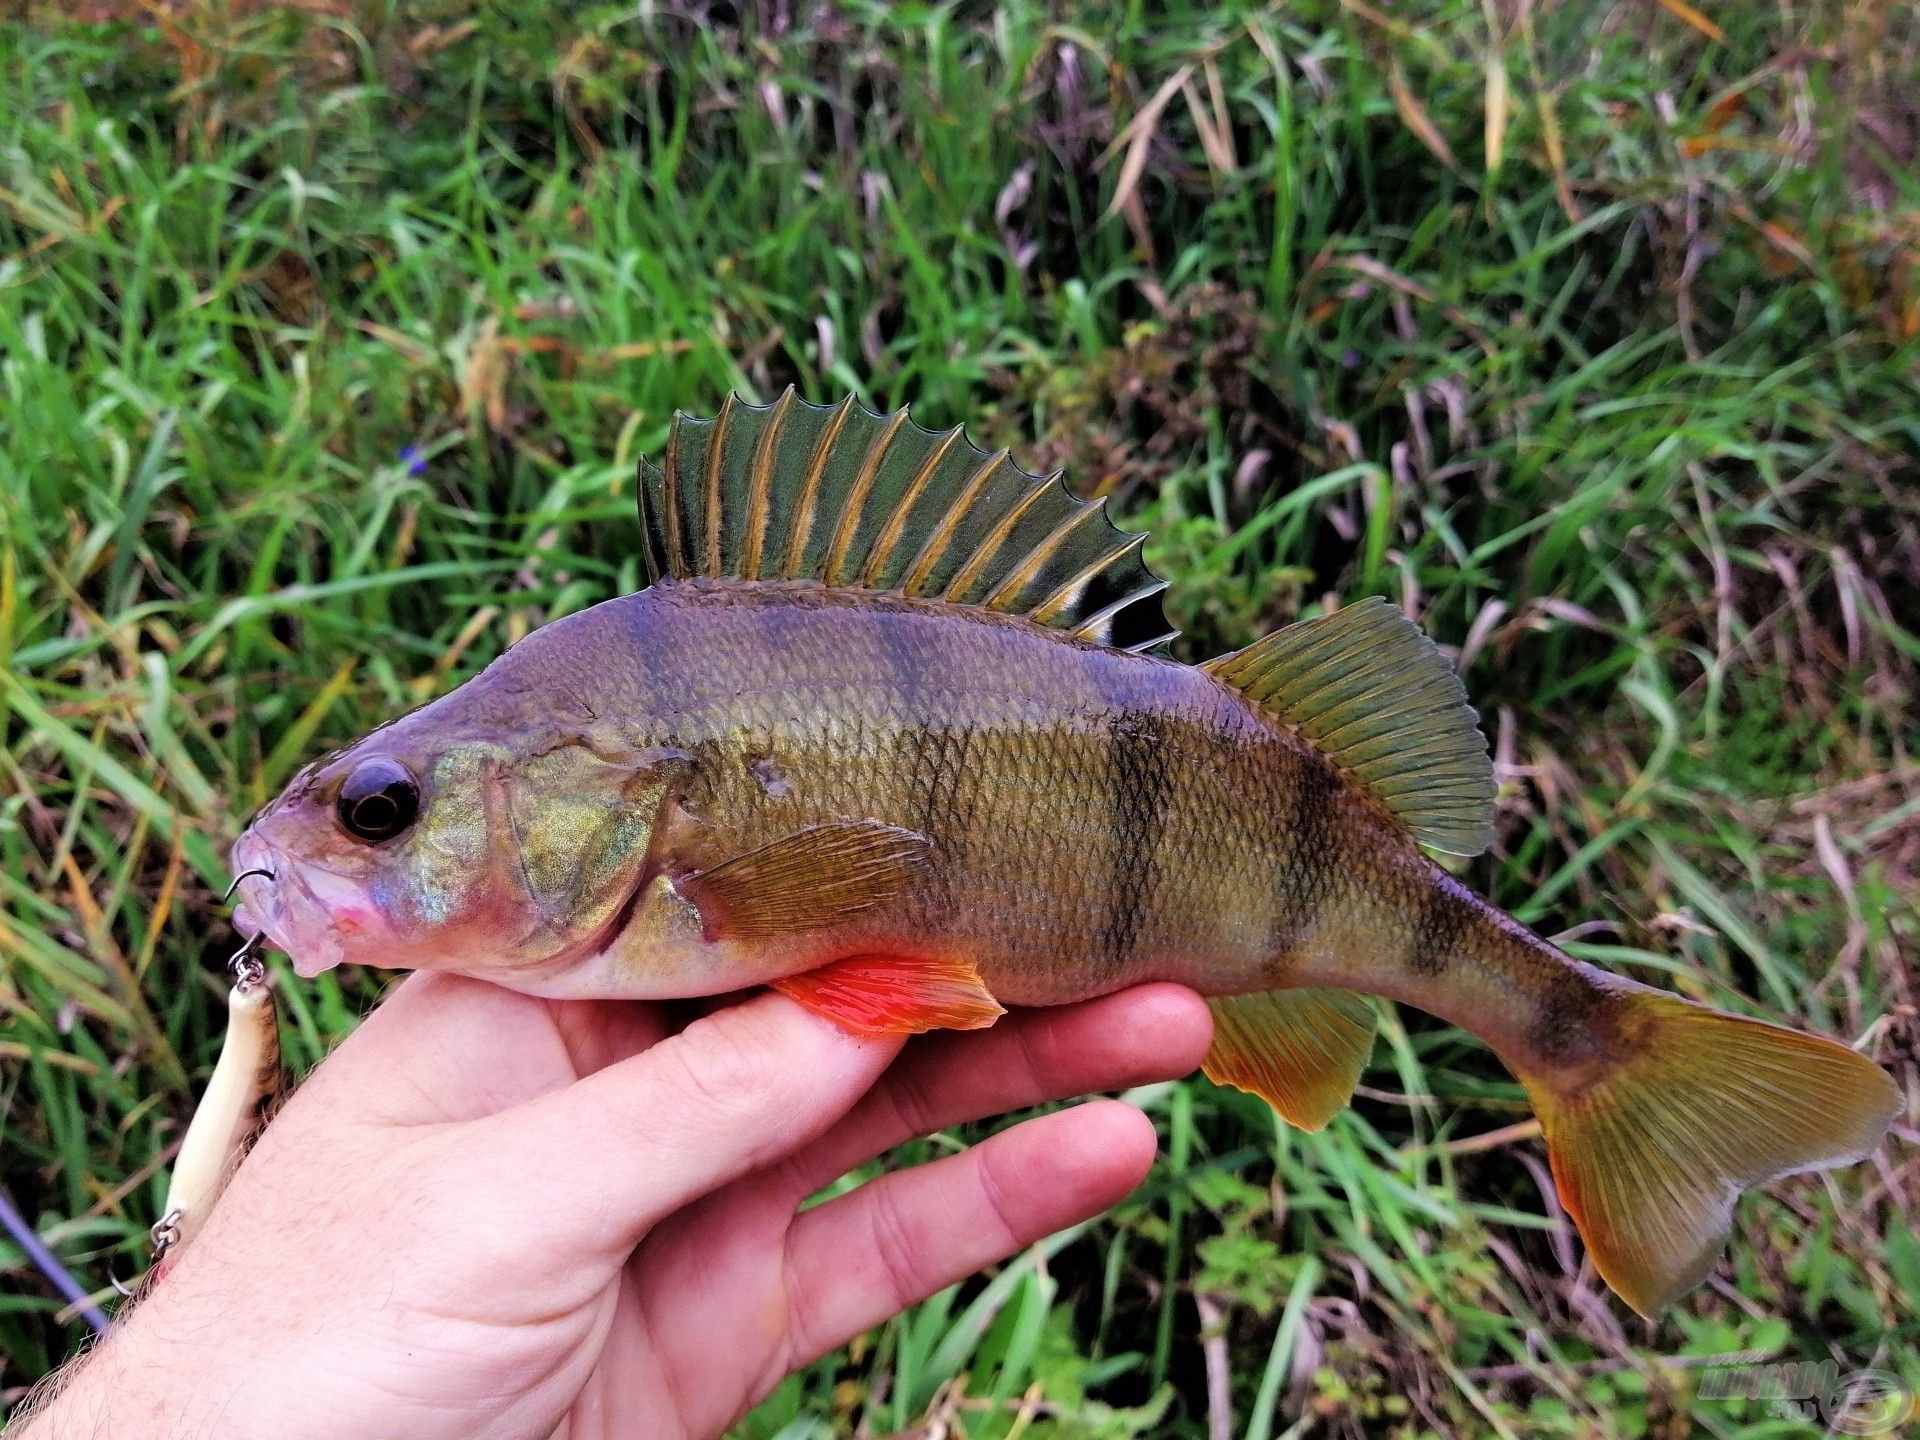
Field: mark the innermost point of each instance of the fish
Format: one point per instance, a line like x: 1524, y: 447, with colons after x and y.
x: 894, y: 729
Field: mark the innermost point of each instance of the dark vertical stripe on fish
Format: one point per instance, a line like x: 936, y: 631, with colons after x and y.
x: 928, y: 765
x: 1574, y: 1014
x: 1444, y: 917
x: 903, y: 654
x: 1138, y: 788
x: 1303, y: 886
x: 940, y: 804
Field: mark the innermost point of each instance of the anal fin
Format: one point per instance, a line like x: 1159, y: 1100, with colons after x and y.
x: 895, y: 995
x: 1301, y: 1051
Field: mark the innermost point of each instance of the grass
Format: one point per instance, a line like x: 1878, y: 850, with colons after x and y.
x: 329, y: 335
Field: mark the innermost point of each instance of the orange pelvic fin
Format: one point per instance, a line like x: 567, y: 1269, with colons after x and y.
x: 1650, y: 1156
x: 1301, y: 1051
x: 894, y: 995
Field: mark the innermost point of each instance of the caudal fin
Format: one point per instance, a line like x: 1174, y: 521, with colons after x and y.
x: 1650, y: 1156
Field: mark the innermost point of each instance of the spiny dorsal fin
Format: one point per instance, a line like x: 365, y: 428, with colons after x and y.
x: 845, y: 497
x: 1370, y: 691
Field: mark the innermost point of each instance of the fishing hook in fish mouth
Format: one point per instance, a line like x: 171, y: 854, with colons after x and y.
x: 245, y: 962
x: 246, y: 875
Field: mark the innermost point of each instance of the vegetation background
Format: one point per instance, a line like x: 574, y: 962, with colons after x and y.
x: 330, y: 332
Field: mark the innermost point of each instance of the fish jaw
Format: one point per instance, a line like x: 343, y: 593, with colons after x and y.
x: 318, y: 917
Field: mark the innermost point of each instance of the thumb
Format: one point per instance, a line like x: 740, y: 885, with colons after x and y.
x: 614, y: 1153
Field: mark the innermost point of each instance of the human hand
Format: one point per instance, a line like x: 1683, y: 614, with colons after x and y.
x: 492, y: 1216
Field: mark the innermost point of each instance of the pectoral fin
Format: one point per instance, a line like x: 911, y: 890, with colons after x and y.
x: 893, y: 995
x: 813, y: 879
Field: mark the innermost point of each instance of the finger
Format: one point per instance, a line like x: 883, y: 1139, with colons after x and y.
x: 943, y: 1079
x: 432, y: 1015
x: 1152, y: 1032
x: 445, y: 1047
x: 599, y: 1033
x: 856, y: 1261
x: 735, y: 1091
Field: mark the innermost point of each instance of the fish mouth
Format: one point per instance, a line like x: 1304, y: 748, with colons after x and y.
x: 279, y: 905
x: 255, y: 914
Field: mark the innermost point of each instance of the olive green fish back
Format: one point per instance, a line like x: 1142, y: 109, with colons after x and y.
x: 855, y: 500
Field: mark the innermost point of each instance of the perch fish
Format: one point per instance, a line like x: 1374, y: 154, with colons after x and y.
x: 893, y: 731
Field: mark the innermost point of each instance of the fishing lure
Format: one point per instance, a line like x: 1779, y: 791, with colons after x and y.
x: 240, y: 1096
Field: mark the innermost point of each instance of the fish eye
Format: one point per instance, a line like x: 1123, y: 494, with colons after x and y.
x: 378, y: 800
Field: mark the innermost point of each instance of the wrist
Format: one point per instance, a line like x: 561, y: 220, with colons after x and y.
x: 133, y: 1384
x: 86, y: 1398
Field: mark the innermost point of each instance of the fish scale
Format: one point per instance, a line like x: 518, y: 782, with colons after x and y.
x: 1021, y: 813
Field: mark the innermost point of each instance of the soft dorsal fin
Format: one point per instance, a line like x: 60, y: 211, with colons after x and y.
x: 848, y: 498
x: 1370, y: 691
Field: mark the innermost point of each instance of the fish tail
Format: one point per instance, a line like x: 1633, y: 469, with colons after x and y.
x: 1651, y: 1146
x: 1658, y: 1111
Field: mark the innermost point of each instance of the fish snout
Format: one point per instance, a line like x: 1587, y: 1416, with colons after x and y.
x: 315, y: 910
x: 256, y: 869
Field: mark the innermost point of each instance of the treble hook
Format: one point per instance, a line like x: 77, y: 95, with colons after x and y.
x: 245, y: 875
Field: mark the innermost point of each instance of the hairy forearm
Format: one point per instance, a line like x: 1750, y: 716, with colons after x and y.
x: 92, y: 1397
x: 132, y: 1384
